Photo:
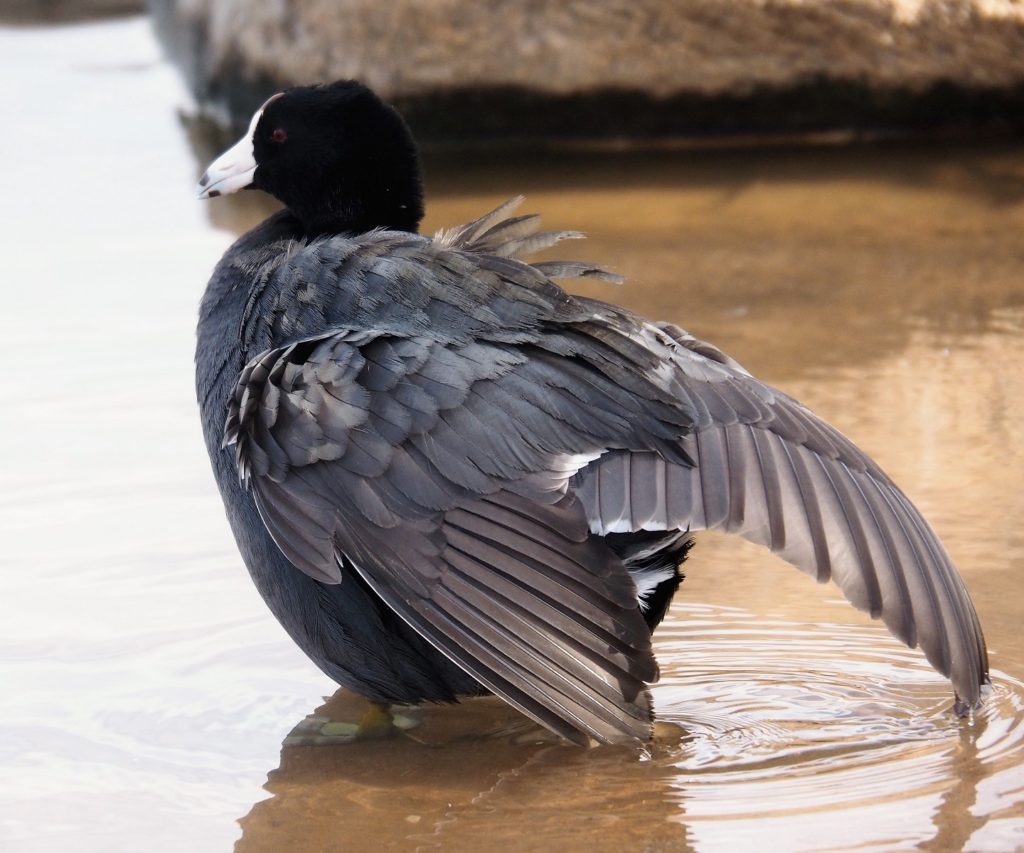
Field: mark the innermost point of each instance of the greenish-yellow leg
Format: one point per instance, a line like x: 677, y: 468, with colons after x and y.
x: 377, y: 721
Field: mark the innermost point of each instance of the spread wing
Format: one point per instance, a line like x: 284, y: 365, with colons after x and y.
x: 416, y: 462
x: 468, y: 462
x: 767, y: 468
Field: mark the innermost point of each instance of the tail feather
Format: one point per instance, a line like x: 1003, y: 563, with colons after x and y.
x: 653, y: 559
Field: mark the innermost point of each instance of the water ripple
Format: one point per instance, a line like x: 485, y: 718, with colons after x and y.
x: 795, y: 721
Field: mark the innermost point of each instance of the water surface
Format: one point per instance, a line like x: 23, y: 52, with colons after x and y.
x: 148, y: 697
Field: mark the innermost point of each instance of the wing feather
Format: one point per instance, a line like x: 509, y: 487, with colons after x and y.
x: 498, y: 604
x: 767, y: 468
x: 827, y: 518
x: 509, y: 584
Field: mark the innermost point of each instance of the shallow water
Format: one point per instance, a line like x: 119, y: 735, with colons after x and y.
x: 147, y: 697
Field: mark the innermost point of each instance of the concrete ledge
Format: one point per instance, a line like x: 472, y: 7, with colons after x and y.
x: 65, y: 11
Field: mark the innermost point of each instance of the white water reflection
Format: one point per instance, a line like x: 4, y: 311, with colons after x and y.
x: 145, y: 691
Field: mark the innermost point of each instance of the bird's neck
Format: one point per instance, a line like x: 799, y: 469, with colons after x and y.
x: 361, y: 204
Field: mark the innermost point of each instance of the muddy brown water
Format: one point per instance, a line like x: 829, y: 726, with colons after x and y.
x: 148, y: 701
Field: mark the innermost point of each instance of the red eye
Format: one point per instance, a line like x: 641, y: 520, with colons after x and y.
x: 279, y: 135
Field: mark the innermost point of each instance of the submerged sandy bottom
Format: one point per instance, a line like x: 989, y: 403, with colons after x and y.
x: 146, y: 692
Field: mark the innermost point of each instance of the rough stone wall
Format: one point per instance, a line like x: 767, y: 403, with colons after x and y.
x: 411, y: 49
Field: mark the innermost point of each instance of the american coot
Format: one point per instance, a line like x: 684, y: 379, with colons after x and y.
x: 448, y: 476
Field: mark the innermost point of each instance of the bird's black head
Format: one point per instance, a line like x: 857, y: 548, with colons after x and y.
x: 337, y: 156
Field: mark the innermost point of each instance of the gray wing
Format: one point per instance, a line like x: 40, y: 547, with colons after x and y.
x: 767, y: 468
x: 507, y: 388
x: 399, y: 454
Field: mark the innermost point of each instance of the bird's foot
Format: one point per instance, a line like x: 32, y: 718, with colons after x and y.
x: 378, y: 721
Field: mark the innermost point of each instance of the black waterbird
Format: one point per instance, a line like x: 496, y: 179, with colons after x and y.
x: 448, y: 476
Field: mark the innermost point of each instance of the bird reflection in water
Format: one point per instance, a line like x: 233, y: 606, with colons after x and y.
x: 473, y: 771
